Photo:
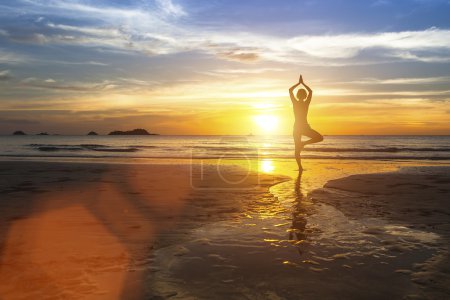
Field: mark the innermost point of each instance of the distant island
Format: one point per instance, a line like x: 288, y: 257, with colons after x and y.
x: 19, y: 132
x: 138, y: 131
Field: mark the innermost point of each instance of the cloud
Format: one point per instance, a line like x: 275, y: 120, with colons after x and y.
x: 51, y: 84
x: 239, y: 55
x: 405, y: 93
x: 5, y: 75
x: 18, y: 121
x: 12, y: 58
x: 120, y: 85
x: 91, y: 62
x: 155, y: 29
x: 170, y: 8
x: 238, y: 72
x: 423, y: 80
x: 349, y: 45
x: 33, y: 38
x: 428, y: 58
x: 92, y: 31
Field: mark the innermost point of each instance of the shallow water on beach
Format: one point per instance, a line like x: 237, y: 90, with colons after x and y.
x: 284, y: 245
x: 150, y: 234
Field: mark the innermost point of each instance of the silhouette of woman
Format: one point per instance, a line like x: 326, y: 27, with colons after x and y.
x: 300, y: 104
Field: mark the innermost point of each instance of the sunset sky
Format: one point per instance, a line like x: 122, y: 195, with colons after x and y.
x: 224, y: 66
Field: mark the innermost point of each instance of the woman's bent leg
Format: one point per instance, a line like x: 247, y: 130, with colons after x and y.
x: 314, y: 135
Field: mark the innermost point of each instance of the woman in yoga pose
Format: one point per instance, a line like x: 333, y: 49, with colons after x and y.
x: 300, y: 105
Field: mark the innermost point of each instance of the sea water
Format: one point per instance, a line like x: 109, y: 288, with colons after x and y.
x: 280, y: 146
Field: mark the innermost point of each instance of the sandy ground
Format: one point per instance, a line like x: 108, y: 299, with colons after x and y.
x: 408, y: 212
x: 89, y: 231
x: 160, y: 231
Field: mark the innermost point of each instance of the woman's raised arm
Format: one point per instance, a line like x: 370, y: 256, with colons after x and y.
x: 308, y: 89
x: 292, y: 88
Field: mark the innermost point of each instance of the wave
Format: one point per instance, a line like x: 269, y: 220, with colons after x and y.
x: 321, y: 149
x: 234, y: 148
x: 116, y: 150
x: 81, y: 147
x: 377, y: 150
x: 226, y: 157
x: 143, y: 146
x: 234, y: 151
x: 53, y: 148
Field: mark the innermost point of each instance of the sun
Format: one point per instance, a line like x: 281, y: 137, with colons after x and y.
x: 267, y: 123
x: 267, y: 166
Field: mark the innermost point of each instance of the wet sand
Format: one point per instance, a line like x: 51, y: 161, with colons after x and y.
x: 89, y: 231
x: 407, y: 213
x: 160, y: 231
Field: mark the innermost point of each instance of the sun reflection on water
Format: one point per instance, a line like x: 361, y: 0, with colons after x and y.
x: 267, y: 166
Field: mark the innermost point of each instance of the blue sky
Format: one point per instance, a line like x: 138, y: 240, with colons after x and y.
x: 172, y: 62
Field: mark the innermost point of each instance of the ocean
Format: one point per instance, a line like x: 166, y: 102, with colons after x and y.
x: 164, y: 146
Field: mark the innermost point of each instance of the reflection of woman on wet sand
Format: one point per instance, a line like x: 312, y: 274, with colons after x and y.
x: 301, y: 127
x: 298, y: 228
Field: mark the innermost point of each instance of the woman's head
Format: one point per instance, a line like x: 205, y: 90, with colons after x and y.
x: 301, y: 94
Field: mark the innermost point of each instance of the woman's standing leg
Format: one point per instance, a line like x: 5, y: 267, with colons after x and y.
x: 298, y: 147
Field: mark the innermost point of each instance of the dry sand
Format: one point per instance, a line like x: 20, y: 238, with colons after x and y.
x: 109, y: 231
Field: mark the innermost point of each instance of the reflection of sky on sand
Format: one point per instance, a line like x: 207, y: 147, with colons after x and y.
x: 402, y: 231
x: 326, y: 226
x: 52, y: 250
x: 85, y: 236
x: 261, y: 248
x: 293, y: 239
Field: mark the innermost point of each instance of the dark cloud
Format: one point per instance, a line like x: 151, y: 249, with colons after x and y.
x: 34, y: 38
x: 5, y: 75
x: 241, y: 56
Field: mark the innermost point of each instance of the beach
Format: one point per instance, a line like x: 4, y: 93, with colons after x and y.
x: 224, y: 150
x: 89, y: 230
x: 407, y: 213
x: 204, y: 229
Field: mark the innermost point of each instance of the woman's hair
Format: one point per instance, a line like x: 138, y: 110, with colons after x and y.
x: 301, y: 94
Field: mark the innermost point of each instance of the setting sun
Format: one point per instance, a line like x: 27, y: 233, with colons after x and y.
x: 267, y: 124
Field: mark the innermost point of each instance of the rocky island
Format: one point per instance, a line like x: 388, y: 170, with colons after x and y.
x: 19, y: 132
x: 138, y: 131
